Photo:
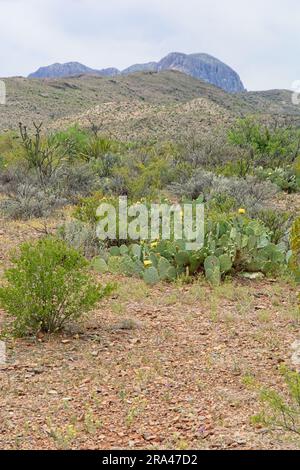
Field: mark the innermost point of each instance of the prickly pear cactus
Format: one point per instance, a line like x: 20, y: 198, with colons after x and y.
x: 182, y: 258
x: 151, y: 276
x: 124, y: 250
x: 225, y: 264
x: 114, y: 264
x: 114, y: 251
x: 212, y: 270
x: 136, y: 251
x: 99, y: 265
x: 163, y: 268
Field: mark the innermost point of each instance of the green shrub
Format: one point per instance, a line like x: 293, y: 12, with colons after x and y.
x: 282, y: 413
x: 269, y: 145
x: 222, y: 203
x: 47, y: 287
x: 278, y: 222
x: 87, y: 208
x: 75, y: 139
x: 284, y: 178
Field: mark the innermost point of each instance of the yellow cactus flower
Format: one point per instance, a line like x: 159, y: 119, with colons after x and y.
x: 242, y: 211
x: 154, y: 244
x: 147, y: 263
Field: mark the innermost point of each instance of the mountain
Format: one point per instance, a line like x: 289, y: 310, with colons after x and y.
x: 200, y: 66
x: 148, y: 67
x: 110, y: 72
x: 61, y: 70
x: 70, y: 69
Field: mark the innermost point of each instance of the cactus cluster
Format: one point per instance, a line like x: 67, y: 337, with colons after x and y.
x: 162, y: 261
x: 231, y: 245
x: 244, y: 245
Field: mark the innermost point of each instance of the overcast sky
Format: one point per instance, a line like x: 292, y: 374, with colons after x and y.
x: 258, y: 38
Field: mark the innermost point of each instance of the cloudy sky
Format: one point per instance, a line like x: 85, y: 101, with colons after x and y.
x: 258, y: 38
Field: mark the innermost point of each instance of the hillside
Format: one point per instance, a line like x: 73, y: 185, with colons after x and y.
x: 142, y: 96
x: 135, y: 120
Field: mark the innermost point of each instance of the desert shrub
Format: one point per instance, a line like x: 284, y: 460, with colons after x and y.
x: 97, y: 147
x: 86, y: 208
x: 72, y: 181
x: 151, y: 179
x: 26, y: 197
x: 221, y: 203
x: 267, y: 144
x: 47, y: 287
x: 7, y: 142
x: 12, y: 176
x: 199, y: 184
x: 29, y: 202
x: 249, y: 193
x: 284, y: 178
x: 295, y: 246
x: 119, y: 183
x: 209, y: 150
x: 75, y: 139
x: 280, y: 412
x: 86, y: 212
x: 105, y: 165
x: 80, y: 236
x: 43, y: 154
x: 297, y: 171
x: 278, y: 223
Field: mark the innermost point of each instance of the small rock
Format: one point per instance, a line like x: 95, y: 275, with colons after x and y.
x: 253, y: 276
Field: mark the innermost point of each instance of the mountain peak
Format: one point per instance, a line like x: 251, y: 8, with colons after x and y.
x: 204, y: 67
